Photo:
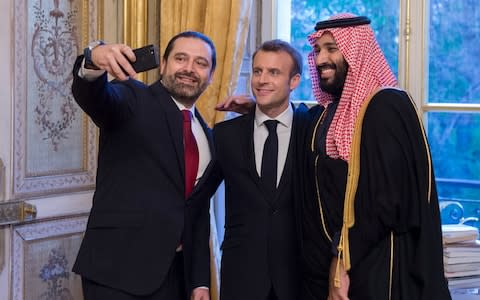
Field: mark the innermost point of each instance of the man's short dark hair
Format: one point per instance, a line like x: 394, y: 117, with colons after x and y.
x: 196, y: 35
x: 279, y: 45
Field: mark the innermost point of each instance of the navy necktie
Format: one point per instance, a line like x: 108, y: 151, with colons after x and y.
x: 269, y: 157
x: 190, y: 153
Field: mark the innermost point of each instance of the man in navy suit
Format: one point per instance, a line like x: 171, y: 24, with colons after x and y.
x: 259, y: 260
x: 135, y: 246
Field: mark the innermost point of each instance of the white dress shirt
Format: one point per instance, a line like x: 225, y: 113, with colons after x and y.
x: 204, y: 155
x: 260, y: 134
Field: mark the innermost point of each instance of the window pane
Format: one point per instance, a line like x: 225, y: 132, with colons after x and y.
x: 306, y: 13
x: 454, y: 139
x: 454, y: 45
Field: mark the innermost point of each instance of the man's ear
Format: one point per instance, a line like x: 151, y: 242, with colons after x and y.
x: 294, y: 81
x: 163, y: 63
x: 211, y: 76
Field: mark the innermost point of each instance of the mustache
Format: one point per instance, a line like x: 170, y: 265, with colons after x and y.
x: 190, y: 75
x: 324, y: 66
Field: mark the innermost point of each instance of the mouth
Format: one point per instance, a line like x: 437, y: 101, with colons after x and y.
x: 263, y: 92
x: 186, y: 79
x: 326, y: 71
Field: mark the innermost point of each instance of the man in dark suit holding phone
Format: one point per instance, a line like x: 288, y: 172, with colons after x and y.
x: 154, y: 153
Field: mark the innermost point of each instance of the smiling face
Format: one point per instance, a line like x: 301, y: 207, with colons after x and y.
x: 331, y: 65
x: 187, y: 71
x: 272, y: 81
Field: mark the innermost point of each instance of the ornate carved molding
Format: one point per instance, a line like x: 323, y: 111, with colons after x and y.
x: 59, y: 239
x: 44, y: 112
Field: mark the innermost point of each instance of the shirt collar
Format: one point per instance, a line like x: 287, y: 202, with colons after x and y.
x: 183, y: 107
x: 285, y: 118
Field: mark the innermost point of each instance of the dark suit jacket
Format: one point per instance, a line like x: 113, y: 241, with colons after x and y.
x: 260, y: 247
x: 137, y: 218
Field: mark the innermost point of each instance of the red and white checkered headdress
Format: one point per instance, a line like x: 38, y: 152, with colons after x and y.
x: 367, y: 71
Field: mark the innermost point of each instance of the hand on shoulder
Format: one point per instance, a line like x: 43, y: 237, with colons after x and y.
x: 237, y: 103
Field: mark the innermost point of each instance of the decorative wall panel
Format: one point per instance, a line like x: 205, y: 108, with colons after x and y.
x: 54, y: 142
x: 42, y: 259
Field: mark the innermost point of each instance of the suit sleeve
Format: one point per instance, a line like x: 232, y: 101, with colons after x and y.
x: 106, y: 103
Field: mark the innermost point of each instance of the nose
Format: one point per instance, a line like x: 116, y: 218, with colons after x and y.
x: 189, y: 65
x: 262, y: 78
x: 321, y: 57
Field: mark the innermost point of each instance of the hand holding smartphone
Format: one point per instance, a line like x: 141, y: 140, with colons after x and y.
x: 147, y: 58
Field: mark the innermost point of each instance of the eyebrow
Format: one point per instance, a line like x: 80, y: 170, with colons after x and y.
x: 274, y: 69
x: 194, y: 57
x: 268, y: 69
x: 327, y: 44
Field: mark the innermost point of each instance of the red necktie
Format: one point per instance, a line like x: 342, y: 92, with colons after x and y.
x: 190, y: 152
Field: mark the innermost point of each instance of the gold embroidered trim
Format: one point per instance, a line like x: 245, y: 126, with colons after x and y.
x: 320, y: 203
x: 350, y: 191
x: 391, y: 267
x: 427, y: 149
x: 312, y: 145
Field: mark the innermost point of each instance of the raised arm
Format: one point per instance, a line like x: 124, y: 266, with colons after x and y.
x: 241, y: 104
x: 105, y: 102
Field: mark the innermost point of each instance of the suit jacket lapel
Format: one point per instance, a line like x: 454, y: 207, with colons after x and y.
x: 299, y: 115
x: 207, y: 130
x: 248, y: 149
x: 285, y: 177
x: 175, y: 126
x: 208, y: 133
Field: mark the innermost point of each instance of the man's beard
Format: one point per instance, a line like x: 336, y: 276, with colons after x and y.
x: 184, y: 93
x: 334, y: 87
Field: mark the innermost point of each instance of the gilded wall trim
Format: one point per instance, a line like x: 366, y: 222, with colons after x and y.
x: 135, y: 25
x: 407, y: 45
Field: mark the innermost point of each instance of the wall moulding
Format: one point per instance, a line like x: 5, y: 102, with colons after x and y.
x: 55, y: 144
x: 43, y: 254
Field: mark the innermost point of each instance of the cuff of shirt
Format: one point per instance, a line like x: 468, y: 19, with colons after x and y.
x: 202, y: 287
x: 89, y: 74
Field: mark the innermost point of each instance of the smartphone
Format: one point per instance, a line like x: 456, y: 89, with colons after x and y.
x: 147, y: 58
